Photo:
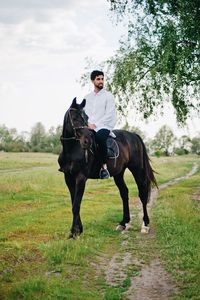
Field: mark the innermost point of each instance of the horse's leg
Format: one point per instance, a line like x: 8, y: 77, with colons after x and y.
x: 144, y: 191
x: 71, y: 184
x: 77, y: 228
x: 119, y: 181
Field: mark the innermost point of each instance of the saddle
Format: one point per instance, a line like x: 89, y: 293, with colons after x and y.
x: 112, y: 147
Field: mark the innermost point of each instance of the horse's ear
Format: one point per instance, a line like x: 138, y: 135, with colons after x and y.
x: 73, y: 102
x: 83, y: 103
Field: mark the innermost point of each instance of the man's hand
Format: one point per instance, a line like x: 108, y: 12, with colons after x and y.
x: 91, y: 126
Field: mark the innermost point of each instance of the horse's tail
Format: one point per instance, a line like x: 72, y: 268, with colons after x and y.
x: 148, y: 171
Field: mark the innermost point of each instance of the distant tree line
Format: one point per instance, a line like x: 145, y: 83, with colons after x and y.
x: 164, y: 143
x: 38, y: 140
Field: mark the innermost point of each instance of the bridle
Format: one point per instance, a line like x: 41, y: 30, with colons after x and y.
x: 75, y: 128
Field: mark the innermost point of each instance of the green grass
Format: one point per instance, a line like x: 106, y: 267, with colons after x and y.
x: 37, y: 261
x: 15, y: 161
x: 169, y: 168
x: 177, y: 219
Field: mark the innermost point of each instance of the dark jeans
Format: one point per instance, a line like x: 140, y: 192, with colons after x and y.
x: 101, y: 137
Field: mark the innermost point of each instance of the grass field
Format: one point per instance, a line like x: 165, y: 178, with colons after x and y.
x: 38, y: 262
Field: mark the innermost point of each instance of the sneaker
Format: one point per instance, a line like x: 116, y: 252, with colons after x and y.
x: 104, y: 174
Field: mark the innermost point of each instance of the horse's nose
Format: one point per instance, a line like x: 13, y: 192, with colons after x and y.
x: 84, y: 142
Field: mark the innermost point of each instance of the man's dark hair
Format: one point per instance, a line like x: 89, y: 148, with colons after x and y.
x: 95, y: 73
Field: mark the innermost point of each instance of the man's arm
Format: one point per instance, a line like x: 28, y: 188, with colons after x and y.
x: 109, y: 119
x: 88, y: 113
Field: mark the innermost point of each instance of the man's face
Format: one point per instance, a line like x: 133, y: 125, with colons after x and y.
x: 98, y: 82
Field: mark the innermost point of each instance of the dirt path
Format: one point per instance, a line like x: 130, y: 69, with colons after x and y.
x: 151, y: 281
x: 22, y: 170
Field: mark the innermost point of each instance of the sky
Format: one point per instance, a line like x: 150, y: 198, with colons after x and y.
x: 43, y: 50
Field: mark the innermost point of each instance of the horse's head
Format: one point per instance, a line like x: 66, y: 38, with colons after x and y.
x: 76, y: 124
x: 86, y: 138
x: 77, y: 115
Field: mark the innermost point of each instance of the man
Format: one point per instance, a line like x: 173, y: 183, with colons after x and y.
x: 100, y: 108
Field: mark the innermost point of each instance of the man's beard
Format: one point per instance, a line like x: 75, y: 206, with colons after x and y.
x: 100, y: 87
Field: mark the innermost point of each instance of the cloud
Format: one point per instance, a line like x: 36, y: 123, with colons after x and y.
x: 59, y: 28
x: 43, y: 54
x: 16, y: 11
x: 62, y: 36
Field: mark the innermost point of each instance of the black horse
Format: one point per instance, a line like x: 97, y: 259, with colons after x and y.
x: 79, y: 161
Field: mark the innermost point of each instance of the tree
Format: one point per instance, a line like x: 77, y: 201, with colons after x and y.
x: 134, y: 129
x: 160, y: 58
x: 163, y: 141
x: 184, y: 146
x: 10, y: 141
x: 53, y: 140
x: 196, y: 145
x: 38, y: 141
x: 5, y: 137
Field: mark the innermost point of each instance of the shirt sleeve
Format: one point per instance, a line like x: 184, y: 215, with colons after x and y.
x: 87, y: 108
x: 109, y: 119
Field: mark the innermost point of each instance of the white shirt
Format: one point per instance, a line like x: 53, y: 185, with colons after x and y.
x: 100, y: 108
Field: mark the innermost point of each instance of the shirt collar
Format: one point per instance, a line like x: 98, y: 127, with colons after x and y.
x: 100, y: 92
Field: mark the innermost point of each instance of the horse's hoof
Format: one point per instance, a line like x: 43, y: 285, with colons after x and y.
x: 145, y: 229
x: 120, y: 227
x: 128, y: 226
x: 71, y: 236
